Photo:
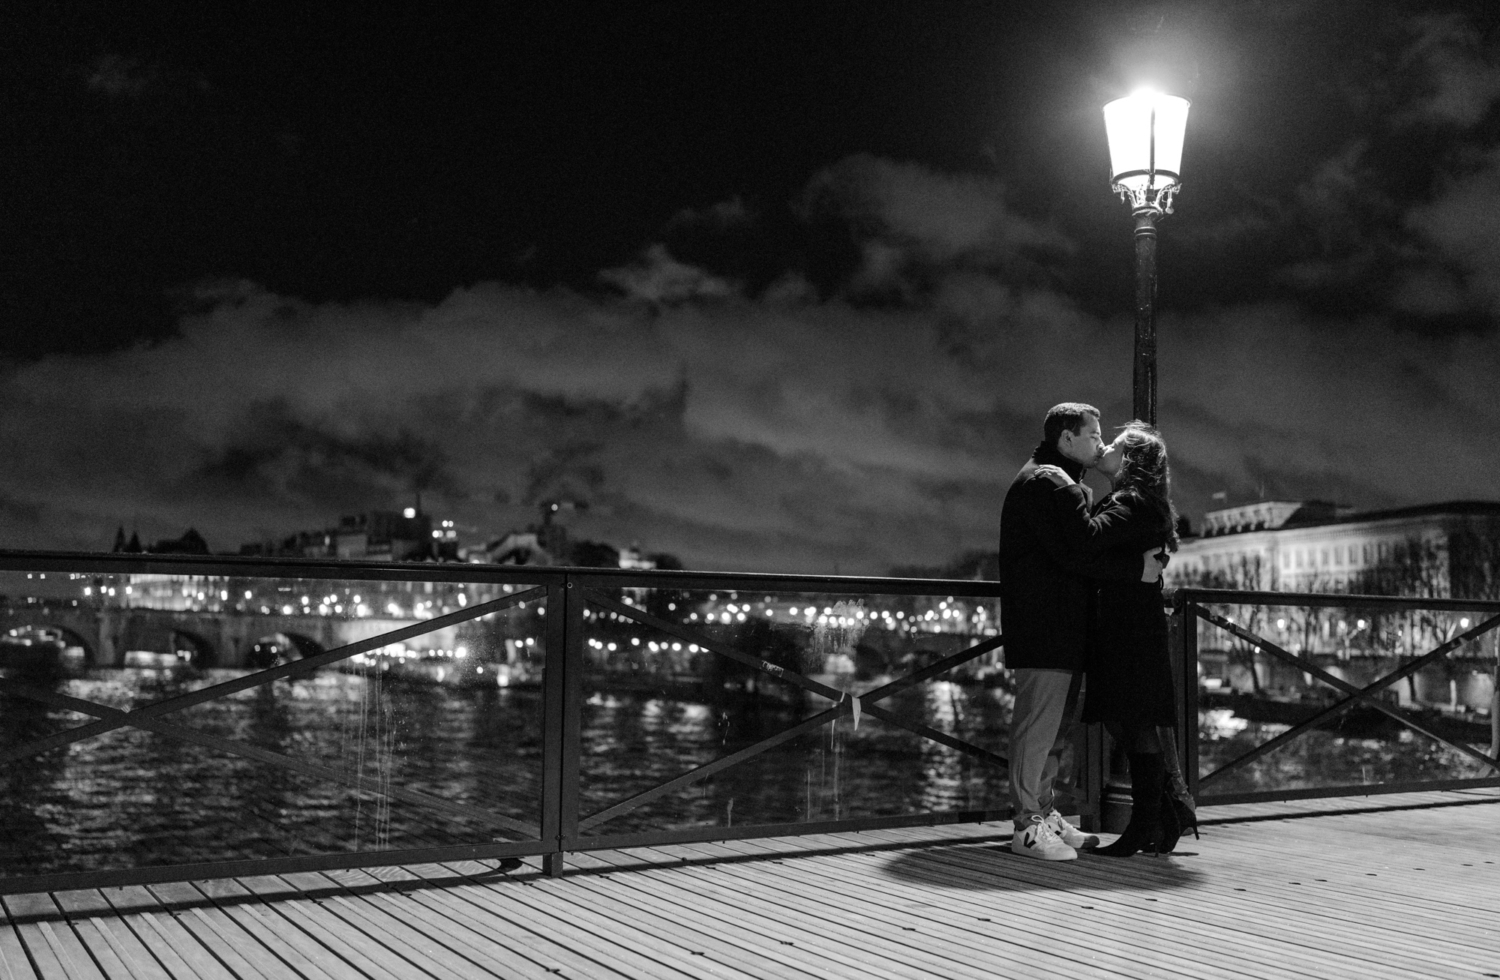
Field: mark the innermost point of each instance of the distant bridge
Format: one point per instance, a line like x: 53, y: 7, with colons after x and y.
x: 217, y: 639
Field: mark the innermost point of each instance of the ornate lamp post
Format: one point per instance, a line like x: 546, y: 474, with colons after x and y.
x: 1146, y: 132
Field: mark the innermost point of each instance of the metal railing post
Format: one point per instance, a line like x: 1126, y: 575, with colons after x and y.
x: 1095, y: 775
x: 559, y: 738
x: 1187, y: 724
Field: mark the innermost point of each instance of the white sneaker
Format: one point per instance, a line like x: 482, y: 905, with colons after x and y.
x: 1038, y: 840
x: 1069, y: 834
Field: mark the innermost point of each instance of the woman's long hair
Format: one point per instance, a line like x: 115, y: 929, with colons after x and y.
x: 1144, y: 473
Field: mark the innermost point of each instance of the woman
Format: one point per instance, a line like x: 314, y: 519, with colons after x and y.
x: 1130, y: 687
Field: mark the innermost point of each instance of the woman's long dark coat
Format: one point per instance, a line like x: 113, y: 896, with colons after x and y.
x: 1129, y: 671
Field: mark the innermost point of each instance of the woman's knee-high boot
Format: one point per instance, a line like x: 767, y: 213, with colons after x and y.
x: 1144, y: 832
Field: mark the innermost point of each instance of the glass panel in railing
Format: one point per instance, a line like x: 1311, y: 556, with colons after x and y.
x: 429, y: 740
x: 1247, y: 695
x: 1247, y: 698
x: 661, y: 702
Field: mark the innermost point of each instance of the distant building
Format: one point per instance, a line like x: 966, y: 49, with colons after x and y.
x: 514, y: 548
x: 631, y: 557
x: 1284, y: 546
x: 379, y: 535
x: 190, y: 543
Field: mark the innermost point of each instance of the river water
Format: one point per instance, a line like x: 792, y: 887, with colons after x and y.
x: 469, y: 761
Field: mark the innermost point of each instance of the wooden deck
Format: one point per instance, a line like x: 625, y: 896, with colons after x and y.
x: 1382, y: 887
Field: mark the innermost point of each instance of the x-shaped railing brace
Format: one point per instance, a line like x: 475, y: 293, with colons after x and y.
x: 1356, y: 695
x: 843, y: 704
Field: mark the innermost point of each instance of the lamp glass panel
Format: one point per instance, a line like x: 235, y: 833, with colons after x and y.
x: 1128, y: 123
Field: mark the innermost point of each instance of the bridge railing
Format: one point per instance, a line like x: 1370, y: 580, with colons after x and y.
x: 168, y: 717
x: 203, y: 717
x: 1301, y: 695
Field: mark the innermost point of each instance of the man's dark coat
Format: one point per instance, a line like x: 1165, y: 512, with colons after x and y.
x: 1047, y: 575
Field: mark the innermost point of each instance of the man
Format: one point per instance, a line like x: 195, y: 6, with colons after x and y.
x: 1046, y: 605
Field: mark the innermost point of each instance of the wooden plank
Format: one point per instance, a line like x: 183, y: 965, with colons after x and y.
x: 539, y: 941
x: 849, y: 892
x: 238, y: 950
x: 724, y: 954
x: 1311, y: 909
x: 38, y: 954
x: 760, y: 935
x: 1344, y: 860
x: 14, y: 964
x: 546, y: 898
x: 117, y: 950
x: 466, y: 930
x: 1197, y: 909
x: 984, y: 952
x: 609, y: 959
x: 365, y: 924
x: 405, y: 919
x: 613, y: 915
x: 860, y: 949
x: 1198, y: 928
x: 178, y: 952
x: 322, y: 926
x: 49, y: 938
x: 301, y: 952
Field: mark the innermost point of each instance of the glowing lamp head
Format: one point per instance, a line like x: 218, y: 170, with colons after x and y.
x: 1146, y: 132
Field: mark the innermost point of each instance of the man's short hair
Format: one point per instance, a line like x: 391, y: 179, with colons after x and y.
x: 1068, y: 417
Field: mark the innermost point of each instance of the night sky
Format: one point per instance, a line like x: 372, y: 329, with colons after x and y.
x: 776, y: 287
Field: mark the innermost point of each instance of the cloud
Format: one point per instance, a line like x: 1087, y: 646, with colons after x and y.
x: 1361, y: 412
x: 911, y: 220
x: 659, y: 278
x: 120, y: 77
x: 1462, y: 224
x: 719, y: 216
x: 738, y: 433
x: 1459, y: 79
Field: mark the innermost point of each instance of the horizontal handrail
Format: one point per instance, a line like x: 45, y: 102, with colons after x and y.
x: 113, y: 563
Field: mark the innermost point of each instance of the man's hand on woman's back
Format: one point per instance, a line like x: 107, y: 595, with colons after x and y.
x: 1156, y: 560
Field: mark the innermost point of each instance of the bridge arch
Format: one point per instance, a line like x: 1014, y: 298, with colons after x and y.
x: 200, y: 652
x: 65, y: 634
x: 279, y: 647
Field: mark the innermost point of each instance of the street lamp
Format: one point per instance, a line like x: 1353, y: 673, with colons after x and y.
x: 1145, y: 153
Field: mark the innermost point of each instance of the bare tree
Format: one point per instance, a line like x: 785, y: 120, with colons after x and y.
x: 1474, y: 571
x: 1468, y: 567
x: 1245, y: 572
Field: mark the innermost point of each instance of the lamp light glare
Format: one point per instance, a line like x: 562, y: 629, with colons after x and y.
x: 1146, y: 132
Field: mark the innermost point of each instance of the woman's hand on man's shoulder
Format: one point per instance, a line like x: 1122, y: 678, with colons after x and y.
x: 1056, y: 474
